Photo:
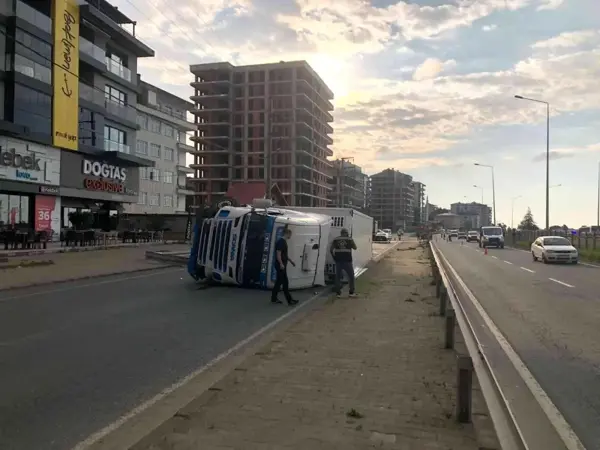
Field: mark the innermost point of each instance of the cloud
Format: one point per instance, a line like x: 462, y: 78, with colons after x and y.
x: 490, y: 27
x: 550, y: 4
x: 431, y: 68
x: 554, y: 154
x: 569, y: 40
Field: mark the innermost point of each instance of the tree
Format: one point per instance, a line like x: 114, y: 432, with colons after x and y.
x: 528, y: 223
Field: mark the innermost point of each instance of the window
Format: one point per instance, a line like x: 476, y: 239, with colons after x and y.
x: 154, y: 174
x: 167, y: 130
x: 87, y: 127
x: 141, y: 147
x: 168, y: 200
x: 143, y: 198
x: 33, y: 48
x: 14, y: 209
x: 168, y: 152
x: 154, y: 125
x: 142, y: 121
x: 143, y: 173
x: 33, y: 109
x: 154, y: 150
x: 114, y: 95
x: 154, y: 200
x: 114, y: 134
x: 32, y: 69
x: 168, y: 177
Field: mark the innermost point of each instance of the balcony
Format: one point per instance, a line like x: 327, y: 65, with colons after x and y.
x: 118, y: 69
x: 112, y: 146
x: 28, y: 14
x: 184, y: 169
x: 91, y: 94
x: 185, y: 147
x: 29, y: 68
x: 184, y: 190
x: 92, y: 50
x: 179, y: 120
x: 197, y: 111
x: 124, y: 112
x: 199, y: 98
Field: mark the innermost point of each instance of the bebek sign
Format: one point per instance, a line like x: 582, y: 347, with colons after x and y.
x: 103, y: 170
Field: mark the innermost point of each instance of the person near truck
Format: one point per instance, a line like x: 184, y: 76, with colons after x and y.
x: 281, y: 262
x: 341, y: 250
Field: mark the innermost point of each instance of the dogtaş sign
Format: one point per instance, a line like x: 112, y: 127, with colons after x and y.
x: 107, y: 177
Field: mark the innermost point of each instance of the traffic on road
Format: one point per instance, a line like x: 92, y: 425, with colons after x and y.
x: 549, y: 314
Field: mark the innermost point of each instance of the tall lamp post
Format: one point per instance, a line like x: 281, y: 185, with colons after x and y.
x: 520, y: 97
x: 512, y: 211
x: 479, y: 187
x: 493, y: 188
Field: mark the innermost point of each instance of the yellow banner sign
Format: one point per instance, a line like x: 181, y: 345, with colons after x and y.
x: 65, y: 74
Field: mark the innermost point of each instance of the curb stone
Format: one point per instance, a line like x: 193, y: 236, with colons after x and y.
x: 86, y: 277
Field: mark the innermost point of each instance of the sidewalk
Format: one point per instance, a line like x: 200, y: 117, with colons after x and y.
x: 359, y: 373
x: 57, y: 267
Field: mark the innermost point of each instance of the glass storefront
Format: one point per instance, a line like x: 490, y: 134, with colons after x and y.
x: 16, y: 210
x: 100, y: 216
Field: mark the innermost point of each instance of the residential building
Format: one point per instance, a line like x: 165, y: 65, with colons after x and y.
x: 264, y: 122
x: 392, y: 199
x: 162, y: 137
x: 420, y: 210
x: 474, y: 215
x: 78, y: 131
x: 348, y: 185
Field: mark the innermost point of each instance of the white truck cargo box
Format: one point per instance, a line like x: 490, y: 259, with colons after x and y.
x: 360, y: 227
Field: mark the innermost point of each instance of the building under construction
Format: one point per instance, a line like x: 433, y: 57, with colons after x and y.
x: 348, y: 185
x: 262, y: 123
x: 392, y: 199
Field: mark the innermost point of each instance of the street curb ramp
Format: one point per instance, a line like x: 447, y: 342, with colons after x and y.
x: 147, y: 419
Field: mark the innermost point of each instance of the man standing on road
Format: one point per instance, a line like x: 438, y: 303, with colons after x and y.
x: 282, y: 259
x: 341, y: 250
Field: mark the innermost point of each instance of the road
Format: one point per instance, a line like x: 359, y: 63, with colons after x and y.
x: 550, y: 314
x: 75, y: 357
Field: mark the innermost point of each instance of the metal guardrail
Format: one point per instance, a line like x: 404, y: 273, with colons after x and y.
x: 507, y: 430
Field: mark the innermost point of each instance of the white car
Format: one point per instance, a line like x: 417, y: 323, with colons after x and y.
x: 554, y: 249
x: 382, y: 236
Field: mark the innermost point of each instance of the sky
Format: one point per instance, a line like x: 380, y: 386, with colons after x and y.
x: 425, y: 86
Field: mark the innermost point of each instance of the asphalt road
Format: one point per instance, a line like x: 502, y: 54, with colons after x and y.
x: 551, y: 316
x: 75, y: 357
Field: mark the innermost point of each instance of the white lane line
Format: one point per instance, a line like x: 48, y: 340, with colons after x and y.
x: 495, y: 257
x: 507, y: 262
x: 560, y: 282
x: 528, y: 270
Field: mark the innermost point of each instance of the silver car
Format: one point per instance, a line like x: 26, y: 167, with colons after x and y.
x: 554, y: 249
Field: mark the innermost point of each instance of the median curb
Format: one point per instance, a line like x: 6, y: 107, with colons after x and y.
x: 85, y: 277
x: 143, y: 420
x: 165, y: 257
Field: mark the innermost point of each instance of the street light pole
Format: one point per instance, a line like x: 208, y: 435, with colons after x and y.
x: 512, y: 213
x: 598, y: 210
x: 493, y: 188
x: 520, y: 97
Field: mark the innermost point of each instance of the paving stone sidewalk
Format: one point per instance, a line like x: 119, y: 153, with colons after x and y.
x: 368, y: 372
x: 58, y: 267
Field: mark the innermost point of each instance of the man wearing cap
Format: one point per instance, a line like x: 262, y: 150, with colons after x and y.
x: 341, y: 250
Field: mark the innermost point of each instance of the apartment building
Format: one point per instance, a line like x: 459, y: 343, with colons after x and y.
x: 473, y: 215
x: 420, y: 211
x: 268, y: 123
x: 163, y: 121
x: 69, y: 92
x: 348, y: 185
x: 392, y: 199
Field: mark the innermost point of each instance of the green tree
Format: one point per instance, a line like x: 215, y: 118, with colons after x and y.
x: 528, y: 223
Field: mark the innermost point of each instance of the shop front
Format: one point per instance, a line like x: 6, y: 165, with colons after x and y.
x: 29, y: 187
x: 94, y: 189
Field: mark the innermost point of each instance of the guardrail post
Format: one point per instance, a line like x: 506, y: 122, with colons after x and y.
x: 443, y: 299
x: 450, y: 324
x: 464, y: 385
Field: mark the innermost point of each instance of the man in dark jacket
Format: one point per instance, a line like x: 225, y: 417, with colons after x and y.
x: 281, y: 262
x: 341, y: 250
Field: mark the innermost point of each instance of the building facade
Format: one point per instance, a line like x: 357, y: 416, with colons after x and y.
x: 162, y: 137
x: 348, y: 185
x: 392, y: 199
x: 268, y: 123
x: 420, y: 202
x: 474, y: 215
x: 77, y: 130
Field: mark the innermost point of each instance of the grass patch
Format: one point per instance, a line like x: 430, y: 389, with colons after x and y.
x: 26, y: 264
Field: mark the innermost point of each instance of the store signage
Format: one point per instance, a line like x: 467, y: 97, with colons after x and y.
x: 104, y: 186
x: 10, y: 158
x: 49, y: 190
x: 103, y: 170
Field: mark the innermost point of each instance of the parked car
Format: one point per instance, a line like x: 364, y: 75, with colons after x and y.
x: 554, y: 249
x: 382, y: 236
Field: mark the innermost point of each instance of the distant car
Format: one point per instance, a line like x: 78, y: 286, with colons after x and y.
x: 554, y: 249
x: 491, y: 237
x: 462, y: 235
x: 472, y: 235
x: 453, y: 233
x: 382, y: 236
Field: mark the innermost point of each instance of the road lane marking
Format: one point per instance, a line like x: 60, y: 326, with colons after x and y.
x: 528, y: 270
x: 560, y: 282
x: 495, y: 257
x: 555, y: 417
x: 507, y: 262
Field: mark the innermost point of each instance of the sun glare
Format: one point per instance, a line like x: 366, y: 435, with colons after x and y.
x: 336, y: 73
